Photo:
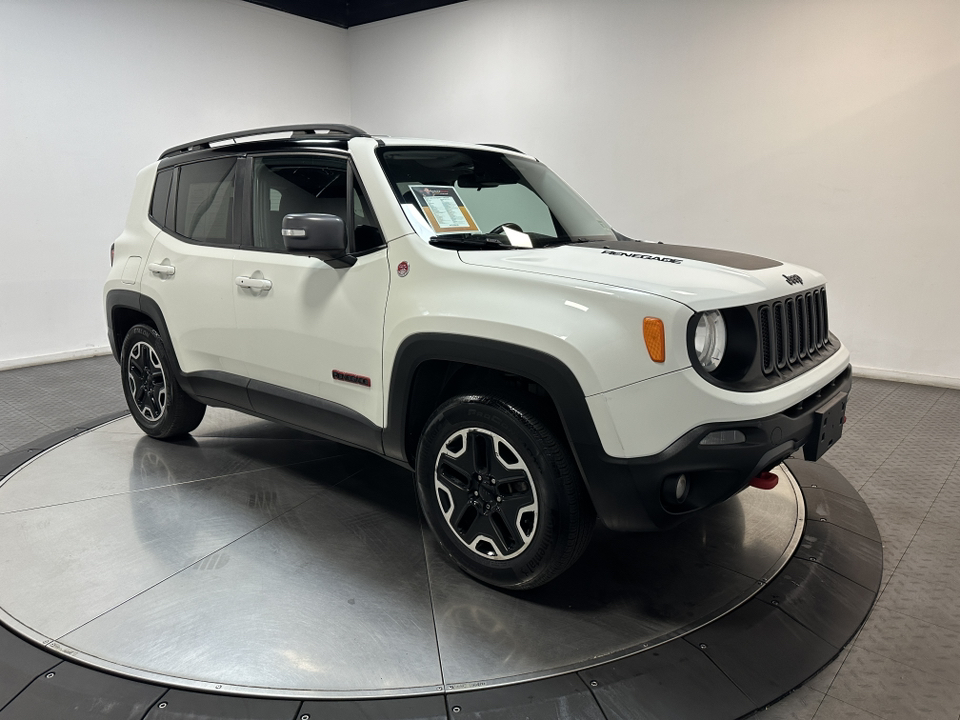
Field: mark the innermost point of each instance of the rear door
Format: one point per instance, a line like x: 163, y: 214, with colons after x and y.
x: 318, y: 330
x: 190, y: 267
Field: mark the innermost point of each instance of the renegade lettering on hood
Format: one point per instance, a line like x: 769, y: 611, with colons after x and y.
x: 641, y: 256
x: 672, y: 253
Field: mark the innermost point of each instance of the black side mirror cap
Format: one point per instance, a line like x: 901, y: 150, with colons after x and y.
x: 317, y: 235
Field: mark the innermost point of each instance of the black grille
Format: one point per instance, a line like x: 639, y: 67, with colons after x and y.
x: 780, y: 335
x: 766, y: 354
x: 790, y: 311
x: 804, y: 318
x: 793, y: 329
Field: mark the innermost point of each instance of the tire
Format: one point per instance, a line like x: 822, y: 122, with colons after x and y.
x: 157, y: 402
x: 501, y: 493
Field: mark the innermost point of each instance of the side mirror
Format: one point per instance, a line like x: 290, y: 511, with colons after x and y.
x: 318, y: 235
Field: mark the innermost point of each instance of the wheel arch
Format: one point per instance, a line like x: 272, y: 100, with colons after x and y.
x: 428, y: 368
x: 126, y: 308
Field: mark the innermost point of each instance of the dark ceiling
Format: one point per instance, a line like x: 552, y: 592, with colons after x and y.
x: 347, y: 13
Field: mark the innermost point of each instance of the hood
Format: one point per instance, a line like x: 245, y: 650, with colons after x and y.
x: 701, y: 278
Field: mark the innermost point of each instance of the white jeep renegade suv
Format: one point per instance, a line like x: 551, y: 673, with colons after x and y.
x: 460, y: 310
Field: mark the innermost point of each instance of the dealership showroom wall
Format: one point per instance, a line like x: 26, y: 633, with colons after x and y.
x: 822, y: 133
x: 92, y: 92
x: 818, y: 133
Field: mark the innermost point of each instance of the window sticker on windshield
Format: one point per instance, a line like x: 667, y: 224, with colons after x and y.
x: 444, y: 208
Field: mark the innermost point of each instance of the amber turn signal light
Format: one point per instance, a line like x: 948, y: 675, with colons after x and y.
x: 653, y: 336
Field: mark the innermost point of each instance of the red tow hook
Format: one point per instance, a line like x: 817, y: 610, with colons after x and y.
x: 765, y: 481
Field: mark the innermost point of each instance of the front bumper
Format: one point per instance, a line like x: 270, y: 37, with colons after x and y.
x: 626, y: 492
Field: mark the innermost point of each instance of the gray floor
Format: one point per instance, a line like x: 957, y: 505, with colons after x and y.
x: 36, y: 401
x: 310, y: 551
x: 901, y: 448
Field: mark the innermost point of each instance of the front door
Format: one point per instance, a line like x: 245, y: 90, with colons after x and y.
x: 312, y: 328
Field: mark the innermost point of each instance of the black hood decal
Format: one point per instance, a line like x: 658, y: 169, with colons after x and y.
x: 735, y: 260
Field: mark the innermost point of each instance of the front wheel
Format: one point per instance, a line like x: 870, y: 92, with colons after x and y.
x: 158, y: 404
x: 501, y: 492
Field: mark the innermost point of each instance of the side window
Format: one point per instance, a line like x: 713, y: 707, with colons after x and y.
x: 205, y: 201
x: 161, y: 194
x: 285, y: 185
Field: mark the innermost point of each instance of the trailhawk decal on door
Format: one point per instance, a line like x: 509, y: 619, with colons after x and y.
x: 351, y: 378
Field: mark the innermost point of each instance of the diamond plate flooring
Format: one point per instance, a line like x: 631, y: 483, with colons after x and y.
x: 901, y: 449
x: 35, y: 401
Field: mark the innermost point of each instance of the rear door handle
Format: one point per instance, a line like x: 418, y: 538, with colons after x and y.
x: 164, y: 270
x: 254, y: 283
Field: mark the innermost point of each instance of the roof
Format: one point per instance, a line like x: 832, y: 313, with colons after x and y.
x: 331, y: 131
x: 326, y: 133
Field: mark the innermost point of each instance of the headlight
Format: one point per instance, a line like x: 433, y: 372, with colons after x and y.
x: 710, y: 340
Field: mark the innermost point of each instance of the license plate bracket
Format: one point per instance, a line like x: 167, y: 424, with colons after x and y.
x: 827, y: 427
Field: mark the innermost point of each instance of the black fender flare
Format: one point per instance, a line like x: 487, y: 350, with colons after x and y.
x: 133, y: 300
x: 610, y: 481
x: 542, y: 368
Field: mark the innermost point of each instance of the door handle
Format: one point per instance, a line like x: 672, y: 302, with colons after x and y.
x: 254, y: 283
x: 164, y: 270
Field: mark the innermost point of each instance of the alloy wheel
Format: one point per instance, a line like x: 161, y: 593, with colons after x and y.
x: 486, y: 493
x: 146, y: 381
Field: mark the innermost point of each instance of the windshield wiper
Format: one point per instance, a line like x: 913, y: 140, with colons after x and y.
x: 567, y: 241
x: 472, y: 241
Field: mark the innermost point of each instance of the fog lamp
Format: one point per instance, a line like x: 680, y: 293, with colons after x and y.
x: 675, y: 489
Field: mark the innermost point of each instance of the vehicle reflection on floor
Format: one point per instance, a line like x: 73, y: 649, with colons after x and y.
x: 251, y: 556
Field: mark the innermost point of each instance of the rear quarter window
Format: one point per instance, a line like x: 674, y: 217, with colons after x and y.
x: 161, y: 194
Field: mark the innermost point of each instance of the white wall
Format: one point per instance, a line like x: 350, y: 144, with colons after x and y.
x: 93, y: 90
x: 818, y: 131
x: 824, y: 132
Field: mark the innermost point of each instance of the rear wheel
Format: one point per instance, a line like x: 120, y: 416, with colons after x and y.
x: 158, y: 404
x: 501, y: 492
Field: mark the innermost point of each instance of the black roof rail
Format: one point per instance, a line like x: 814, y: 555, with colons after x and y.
x: 338, y: 132
x: 503, y: 147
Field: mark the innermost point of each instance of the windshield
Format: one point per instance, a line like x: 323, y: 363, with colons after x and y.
x: 477, y: 196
